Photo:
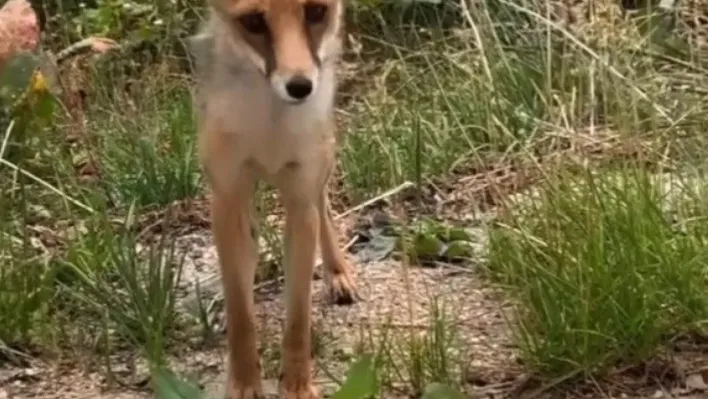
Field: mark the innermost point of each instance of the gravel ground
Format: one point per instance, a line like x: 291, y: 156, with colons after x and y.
x: 396, y: 300
x: 396, y: 303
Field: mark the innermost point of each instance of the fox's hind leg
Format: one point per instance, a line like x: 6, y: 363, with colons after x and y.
x: 338, y: 272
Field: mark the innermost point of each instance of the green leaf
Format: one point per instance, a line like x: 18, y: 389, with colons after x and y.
x: 361, y: 381
x: 44, y: 107
x: 433, y: 227
x: 436, y: 390
x: 458, y: 249
x: 15, y: 76
x: 168, y: 386
x: 459, y: 234
x: 427, y: 245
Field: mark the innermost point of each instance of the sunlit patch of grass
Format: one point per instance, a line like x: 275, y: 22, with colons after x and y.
x: 146, y: 147
x: 601, y: 275
x: 127, y: 291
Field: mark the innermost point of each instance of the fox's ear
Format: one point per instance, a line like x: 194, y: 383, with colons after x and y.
x: 221, y: 7
x: 224, y: 8
x: 231, y: 8
x: 217, y: 6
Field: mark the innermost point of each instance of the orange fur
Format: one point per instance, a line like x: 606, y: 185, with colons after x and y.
x: 265, y: 101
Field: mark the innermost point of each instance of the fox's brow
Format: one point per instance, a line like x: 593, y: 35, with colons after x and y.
x: 245, y: 7
x: 324, y: 3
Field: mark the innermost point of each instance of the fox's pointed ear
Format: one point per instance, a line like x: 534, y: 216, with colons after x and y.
x: 218, y: 7
x: 224, y: 8
x: 232, y: 8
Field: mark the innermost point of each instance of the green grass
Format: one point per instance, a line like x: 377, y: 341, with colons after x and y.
x: 604, y: 265
x: 423, y: 358
x: 500, y: 89
x: 132, y: 292
x: 26, y: 294
x: 603, y: 275
x: 147, y: 148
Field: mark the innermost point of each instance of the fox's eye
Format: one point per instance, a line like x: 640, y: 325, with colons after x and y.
x: 254, y: 23
x: 315, y: 13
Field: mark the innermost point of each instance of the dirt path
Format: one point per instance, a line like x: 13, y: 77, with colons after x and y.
x: 397, y: 304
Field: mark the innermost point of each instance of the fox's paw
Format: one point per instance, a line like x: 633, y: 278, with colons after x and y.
x: 235, y: 390
x: 298, y: 389
x: 341, y: 286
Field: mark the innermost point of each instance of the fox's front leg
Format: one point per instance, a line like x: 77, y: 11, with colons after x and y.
x: 301, y: 231
x: 237, y: 254
x: 338, y: 272
x: 231, y: 225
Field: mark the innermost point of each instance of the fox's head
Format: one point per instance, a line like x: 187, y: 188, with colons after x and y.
x: 289, y: 41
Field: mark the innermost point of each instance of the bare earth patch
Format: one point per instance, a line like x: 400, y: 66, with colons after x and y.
x: 398, y: 303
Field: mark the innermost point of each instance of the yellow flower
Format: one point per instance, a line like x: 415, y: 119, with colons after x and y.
x: 38, y: 84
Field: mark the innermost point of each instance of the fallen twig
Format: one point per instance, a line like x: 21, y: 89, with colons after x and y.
x: 99, y: 45
x: 378, y: 198
x: 47, y: 185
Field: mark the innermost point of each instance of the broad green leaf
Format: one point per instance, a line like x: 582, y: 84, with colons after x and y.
x: 458, y: 234
x: 433, y: 227
x: 168, y: 386
x: 361, y: 381
x: 16, y: 75
x: 427, y: 245
x: 458, y: 249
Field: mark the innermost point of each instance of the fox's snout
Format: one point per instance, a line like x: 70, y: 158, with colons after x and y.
x: 294, y: 84
x: 299, y: 87
x: 295, y: 71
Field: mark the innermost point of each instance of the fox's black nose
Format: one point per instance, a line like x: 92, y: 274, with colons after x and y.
x: 299, y: 87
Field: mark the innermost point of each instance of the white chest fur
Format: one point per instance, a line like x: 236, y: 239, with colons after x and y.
x: 264, y: 128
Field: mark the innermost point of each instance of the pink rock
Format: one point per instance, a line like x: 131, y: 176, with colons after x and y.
x: 19, y: 29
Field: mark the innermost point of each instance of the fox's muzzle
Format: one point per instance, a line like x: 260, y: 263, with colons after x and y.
x: 296, y: 70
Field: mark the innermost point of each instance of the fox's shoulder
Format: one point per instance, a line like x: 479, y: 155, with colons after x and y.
x: 203, y: 54
x: 201, y: 44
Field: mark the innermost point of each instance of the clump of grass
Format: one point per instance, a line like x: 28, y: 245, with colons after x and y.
x: 146, y: 147
x: 126, y: 290
x: 600, y: 273
x: 27, y: 279
x: 416, y: 358
x: 26, y: 294
x: 433, y: 357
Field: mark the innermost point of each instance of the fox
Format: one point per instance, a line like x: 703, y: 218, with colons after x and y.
x: 265, y: 101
